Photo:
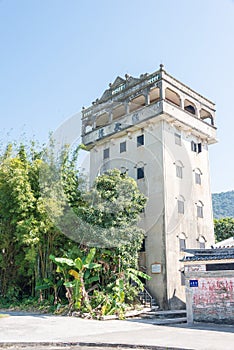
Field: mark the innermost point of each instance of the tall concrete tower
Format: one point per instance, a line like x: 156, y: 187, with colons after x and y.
x: 158, y: 130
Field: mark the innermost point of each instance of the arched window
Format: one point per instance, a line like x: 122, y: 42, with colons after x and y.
x: 180, y: 204
x: 200, y: 206
x: 102, y: 120
x: 140, y: 170
x: 88, y: 128
x: 154, y: 95
x: 172, y: 97
x: 189, y: 107
x: 118, y: 111
x: 87, y: 125
x: 202, y: 242
x: 137, y: 103
x: 197, y: 175
x: 204, y: 115
x: 179, y: 169
x: 182, y: 241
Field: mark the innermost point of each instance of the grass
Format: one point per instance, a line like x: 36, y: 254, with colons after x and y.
x: 3, y: 315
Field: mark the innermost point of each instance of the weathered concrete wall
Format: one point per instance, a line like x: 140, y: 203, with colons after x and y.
x: 213, y: 299
x: 154, y: 106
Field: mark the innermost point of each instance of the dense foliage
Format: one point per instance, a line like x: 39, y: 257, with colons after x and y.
x: 223, y: 204
x: 27, y: 235
x: 38, y: 261
x: 223, y: 228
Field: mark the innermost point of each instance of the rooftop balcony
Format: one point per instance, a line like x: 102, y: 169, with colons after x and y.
x: 130, y: 102
x: 152, y: 113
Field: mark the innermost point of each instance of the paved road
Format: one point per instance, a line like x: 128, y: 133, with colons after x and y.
x: 68, y: 348
x: 21, y: 328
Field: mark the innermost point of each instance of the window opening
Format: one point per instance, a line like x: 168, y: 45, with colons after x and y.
x: 197, y: 178
x: 193, y: 146
x: 182, y: 243
x: 180, y: 204
x: 179, y: 171
x: 196, y: 147
x: 140, y: 173
x: 177, y: 139
x: 140, y: 140
x: 189, y: 107
x: 123, y: 147
x: 106, y: 153
x: 200, y: 209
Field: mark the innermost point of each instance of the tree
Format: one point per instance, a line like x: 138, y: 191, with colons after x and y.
x: 27, y: 234
x: 48, y: 218
x: 223, y: 228
x: 111, y: 211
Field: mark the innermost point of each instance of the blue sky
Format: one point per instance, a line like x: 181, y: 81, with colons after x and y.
x: 58, y: 55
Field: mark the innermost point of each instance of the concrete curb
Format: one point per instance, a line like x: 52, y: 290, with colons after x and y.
x: 73, y: 344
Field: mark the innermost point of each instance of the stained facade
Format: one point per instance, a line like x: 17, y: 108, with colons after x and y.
x: 209, y: 275
x: 158, y: 130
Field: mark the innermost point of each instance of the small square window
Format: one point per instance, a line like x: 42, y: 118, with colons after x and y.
x: 106, y: 153
x: 180, y: 206
x: 198, y: 178
x: 140, y: 140
x: 177, y: 139
x: 140, y: 173
x: 122, y: 147
x: 179, y: 171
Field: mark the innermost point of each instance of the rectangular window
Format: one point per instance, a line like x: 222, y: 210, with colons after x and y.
x: 199, y: 148
x: 180, y: 206
x: 106, y: 153
x: 198, y: 178
x: 122, y: 147
x: 193, y: 146
x: 199, y: 211
x: 196, y: 147
x: 177, y: 139
x: 179, y: 171
x: 140, y: 140
x: 140, y: 173
x: 182, y: 244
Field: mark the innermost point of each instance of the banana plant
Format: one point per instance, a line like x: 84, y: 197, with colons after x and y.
x: 84, y: 272
x: 49, y: 283
x: 135, y: 275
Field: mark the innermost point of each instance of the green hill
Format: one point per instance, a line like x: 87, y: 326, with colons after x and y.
x: 223, y: 204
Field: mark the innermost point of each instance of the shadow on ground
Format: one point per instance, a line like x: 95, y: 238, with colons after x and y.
x: 226, y: 328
